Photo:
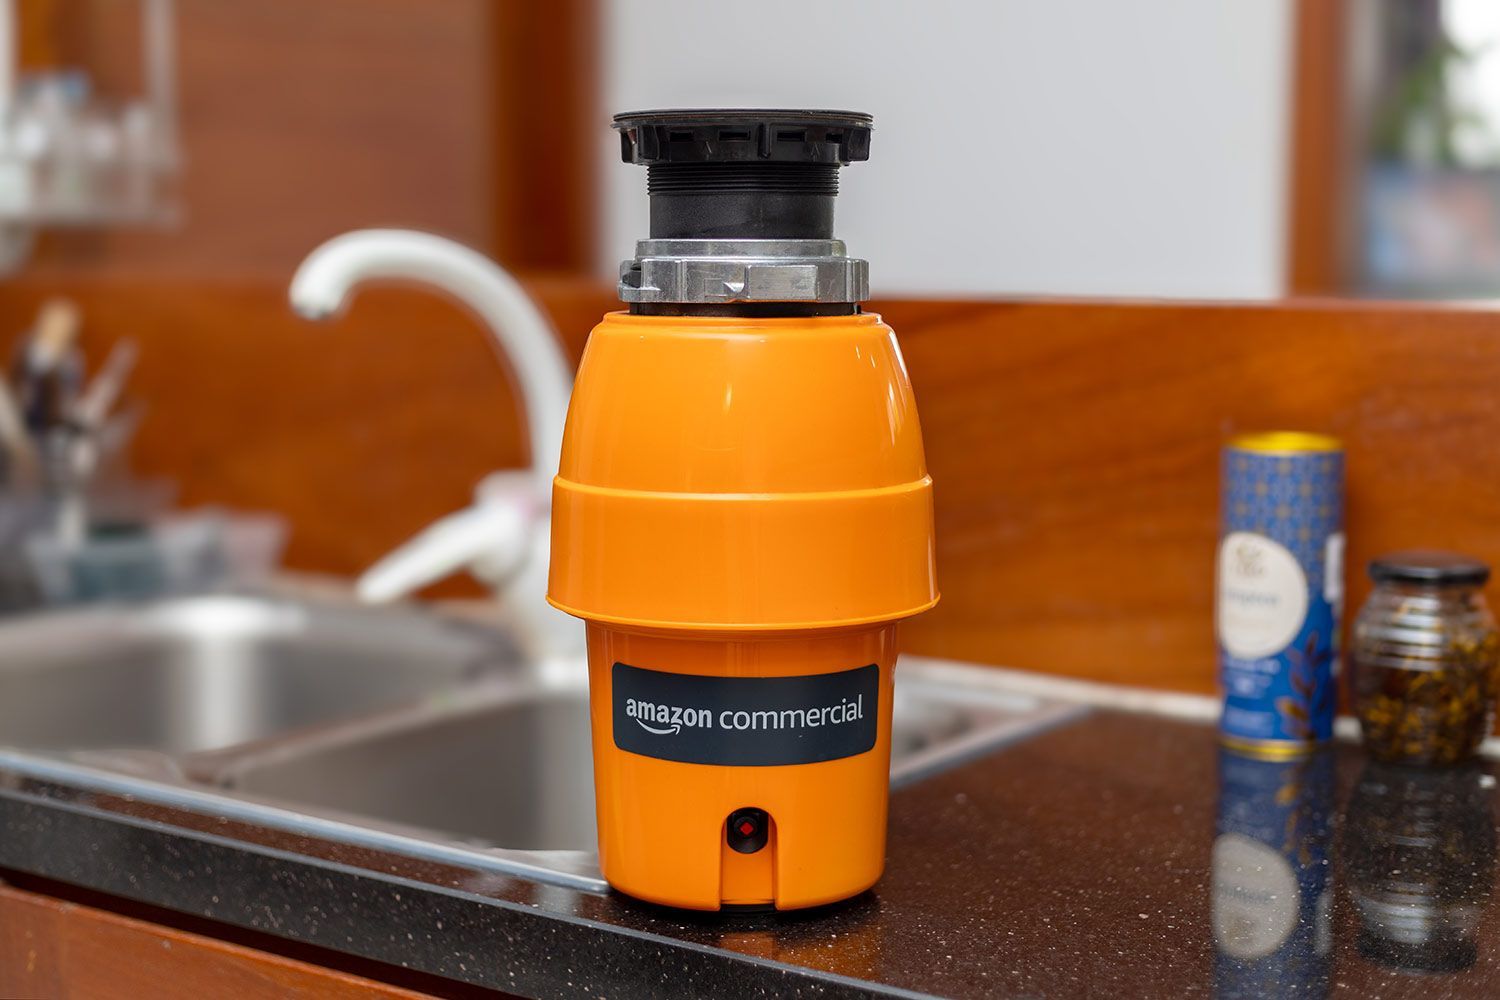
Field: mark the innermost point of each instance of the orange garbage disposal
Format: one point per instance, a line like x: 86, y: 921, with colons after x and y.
x: 742, y: 516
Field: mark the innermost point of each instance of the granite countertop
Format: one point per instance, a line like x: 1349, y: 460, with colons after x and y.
x: 1120, y: 855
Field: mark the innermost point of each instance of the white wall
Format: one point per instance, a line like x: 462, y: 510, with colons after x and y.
x: 1081, y: 147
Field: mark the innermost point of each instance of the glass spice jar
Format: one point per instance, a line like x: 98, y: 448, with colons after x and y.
x: 1424, y: 658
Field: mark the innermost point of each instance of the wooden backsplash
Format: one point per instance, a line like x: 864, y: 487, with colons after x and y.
x: 1074, y: 445
x: 1075, y: 450
x: 301, y: 119
x: 360, y: 430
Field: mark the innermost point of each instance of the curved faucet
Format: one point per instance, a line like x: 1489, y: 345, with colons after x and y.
x: 327, y: 278
x: 504, y: 537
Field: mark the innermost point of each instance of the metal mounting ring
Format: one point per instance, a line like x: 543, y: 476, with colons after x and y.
x: 719, y: 271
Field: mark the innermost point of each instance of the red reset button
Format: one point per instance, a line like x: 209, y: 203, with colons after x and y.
x: 747, y: 830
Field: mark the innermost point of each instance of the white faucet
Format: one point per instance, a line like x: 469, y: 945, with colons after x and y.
x: 504, y: 537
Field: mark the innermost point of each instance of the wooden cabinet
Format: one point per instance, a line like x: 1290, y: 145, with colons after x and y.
x: 62, y: 950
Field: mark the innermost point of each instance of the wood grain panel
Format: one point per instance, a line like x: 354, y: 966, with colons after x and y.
x: 545, y: 133
x: 1074, y: 447
x: 1323, y: 163
x: 301, y: 120
x: 59, y: 950
x: 361, y: 431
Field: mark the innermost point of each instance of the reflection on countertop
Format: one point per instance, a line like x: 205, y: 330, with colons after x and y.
x: 1417, y: 860
x: 1121, y: 854
x: 1272, y: 878
x: 1128, y: 855
x: 1419, y: 849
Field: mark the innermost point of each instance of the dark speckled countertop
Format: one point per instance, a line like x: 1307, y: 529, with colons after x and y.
x: 1121, y: 855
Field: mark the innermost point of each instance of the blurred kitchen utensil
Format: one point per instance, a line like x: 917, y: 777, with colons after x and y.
x: 48, y: 368
x: 20, y: 456
x: 101, y: 394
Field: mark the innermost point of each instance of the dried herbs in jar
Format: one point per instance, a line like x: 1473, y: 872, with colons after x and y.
x: 1425, y: 659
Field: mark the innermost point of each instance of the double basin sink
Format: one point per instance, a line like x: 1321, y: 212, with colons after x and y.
x: 426, y: 733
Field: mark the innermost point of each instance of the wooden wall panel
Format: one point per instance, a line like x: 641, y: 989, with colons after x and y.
x: 545, y: 133
x: 1321, y: 197
x: 1074, y: 445
x: 301, y: 119
x: 1075, y: 449
x: 362, y: 430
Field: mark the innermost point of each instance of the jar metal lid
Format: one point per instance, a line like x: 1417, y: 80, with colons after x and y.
x: 1429, y: 566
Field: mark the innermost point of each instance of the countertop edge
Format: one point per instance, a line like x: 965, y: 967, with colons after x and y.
x: 440, y: 930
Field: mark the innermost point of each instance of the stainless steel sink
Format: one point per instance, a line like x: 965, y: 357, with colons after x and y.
x: 404, y: 731
x: 205, y: 672
x: 511, y: 767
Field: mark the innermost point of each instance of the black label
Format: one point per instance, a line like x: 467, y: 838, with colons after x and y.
x: 746, y: 721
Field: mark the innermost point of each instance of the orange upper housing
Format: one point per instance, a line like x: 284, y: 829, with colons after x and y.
x: 741, y: 498
x: 740, y: 473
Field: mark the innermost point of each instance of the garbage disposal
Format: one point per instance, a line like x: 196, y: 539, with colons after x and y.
x: 742, y: 515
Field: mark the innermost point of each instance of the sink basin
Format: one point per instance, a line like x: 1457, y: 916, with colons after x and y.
x: 204, y: 672
x: 505, y: 768
x: 511, y: 766
x: 392, y: 730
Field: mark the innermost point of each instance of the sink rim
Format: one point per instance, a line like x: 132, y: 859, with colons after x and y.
x: 202, y: 616
x: 75, y: 781
x: 190, y: 794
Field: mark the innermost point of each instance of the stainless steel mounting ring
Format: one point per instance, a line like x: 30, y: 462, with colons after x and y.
x: 717, y: 271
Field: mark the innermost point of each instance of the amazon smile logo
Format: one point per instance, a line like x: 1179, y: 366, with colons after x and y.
x: 667, y: 720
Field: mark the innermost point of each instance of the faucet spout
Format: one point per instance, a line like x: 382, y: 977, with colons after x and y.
x: 328, y: 277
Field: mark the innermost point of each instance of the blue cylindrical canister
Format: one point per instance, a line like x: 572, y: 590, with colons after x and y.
x: 1280, y: 590
x: 1272, y: 887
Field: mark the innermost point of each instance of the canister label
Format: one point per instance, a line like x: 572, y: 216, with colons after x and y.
x: 745, y: 721
x: 1262, y: 595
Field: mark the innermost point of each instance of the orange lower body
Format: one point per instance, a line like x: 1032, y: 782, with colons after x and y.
x: 662, y: 834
